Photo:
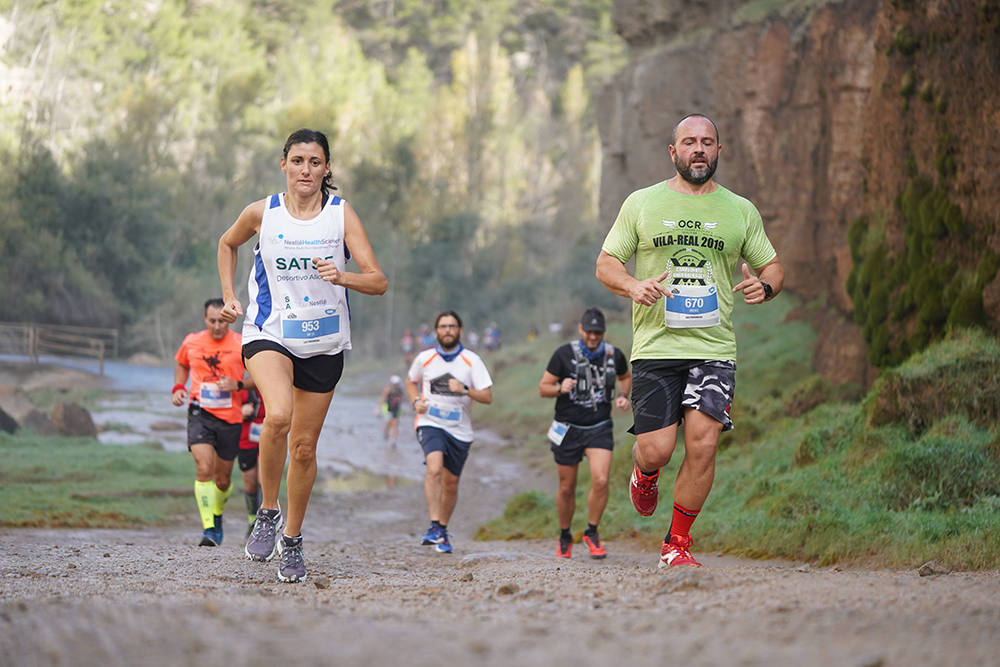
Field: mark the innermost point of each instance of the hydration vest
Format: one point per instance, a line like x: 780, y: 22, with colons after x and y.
x: 607, y: 370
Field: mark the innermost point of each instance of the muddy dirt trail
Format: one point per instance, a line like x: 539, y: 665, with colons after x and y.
x: 374, y: 596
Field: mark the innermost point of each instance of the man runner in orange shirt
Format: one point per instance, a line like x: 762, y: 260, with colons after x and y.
x: 212, y: 359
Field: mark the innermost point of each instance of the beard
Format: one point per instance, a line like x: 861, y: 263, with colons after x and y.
x: 698, y: 175
x: 448, y: 341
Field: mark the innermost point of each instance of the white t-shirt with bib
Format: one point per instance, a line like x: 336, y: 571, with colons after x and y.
x: 289, y: 303
x: 446, y: 410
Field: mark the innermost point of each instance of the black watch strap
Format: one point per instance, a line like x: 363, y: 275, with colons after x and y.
x: 768, y: 290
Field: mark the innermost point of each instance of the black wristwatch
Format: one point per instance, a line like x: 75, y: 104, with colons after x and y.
x: 768, y: 290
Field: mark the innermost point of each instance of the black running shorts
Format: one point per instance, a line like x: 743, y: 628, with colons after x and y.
x: 577, y: 440
x: 204, y: 428
x: 318, y: 375
x: 247, y: 458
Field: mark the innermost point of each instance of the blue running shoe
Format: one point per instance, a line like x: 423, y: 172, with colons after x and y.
x: 218, y: 528
x: 208, y: 538
x: 434, y: 535
x: 444, y: 546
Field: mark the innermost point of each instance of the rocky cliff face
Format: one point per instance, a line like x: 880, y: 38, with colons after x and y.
x: 814, y: 128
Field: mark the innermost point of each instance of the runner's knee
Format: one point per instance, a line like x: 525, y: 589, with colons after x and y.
x: 302, y: 451
x: 655, y: 449
x: 278, y: 421
x: 567, y: 487
x: 701, y: 443
x: 599, y: 483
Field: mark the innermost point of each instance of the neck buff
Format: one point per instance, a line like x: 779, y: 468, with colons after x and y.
x: 449, y: 356
x: 592, y: 356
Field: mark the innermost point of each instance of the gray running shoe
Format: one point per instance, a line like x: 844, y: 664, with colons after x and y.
x: 261, y: 545
x: 291, y: 568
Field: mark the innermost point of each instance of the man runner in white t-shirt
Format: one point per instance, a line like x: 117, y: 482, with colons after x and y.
x: 687, y: 235
x: 442, y: 383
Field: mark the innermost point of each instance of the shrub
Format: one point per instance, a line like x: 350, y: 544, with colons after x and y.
x: 942, y: 471
x: 904, y: 42
x: 908, y: 84
x: 961, y: 376
x: 807, y: 394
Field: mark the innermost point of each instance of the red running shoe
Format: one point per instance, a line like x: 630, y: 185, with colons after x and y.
x: 676, y: 552
x: 565, y: 548
x: 593, y: 543
x: 643, y: 491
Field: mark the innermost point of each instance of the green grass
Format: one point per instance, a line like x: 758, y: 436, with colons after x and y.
x: 48, y: 397
x: 79, y: 482
x: 812, y: 472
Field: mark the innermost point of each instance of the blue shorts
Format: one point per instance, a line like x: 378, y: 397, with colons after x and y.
x: 433, y: 439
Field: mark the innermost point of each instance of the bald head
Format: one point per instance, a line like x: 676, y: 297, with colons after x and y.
x: 686, y: 121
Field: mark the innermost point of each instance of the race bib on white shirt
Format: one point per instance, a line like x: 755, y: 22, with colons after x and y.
x: 313, y: 323
x: 693, y: 306
x: 210, y: 396
x: 446, y: 415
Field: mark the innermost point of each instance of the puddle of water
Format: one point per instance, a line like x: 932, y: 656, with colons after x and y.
x: 363, y: 480
x: 350, y: 443
x: 351, y: 452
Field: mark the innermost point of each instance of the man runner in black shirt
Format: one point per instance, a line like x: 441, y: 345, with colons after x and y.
x: 581, y: 376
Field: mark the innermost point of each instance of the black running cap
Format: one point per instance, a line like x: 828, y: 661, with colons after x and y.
x: 592, y: 320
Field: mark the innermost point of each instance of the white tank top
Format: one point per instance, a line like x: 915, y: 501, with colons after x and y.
x: 289, y: 303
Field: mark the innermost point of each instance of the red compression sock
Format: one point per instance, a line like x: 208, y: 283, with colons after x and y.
x: 682, y: 519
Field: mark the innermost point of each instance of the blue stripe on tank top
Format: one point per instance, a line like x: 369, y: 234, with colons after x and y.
x: 347, y: 257
x: 275, y: 201
x: 335, y: 201
x: 263, y: 290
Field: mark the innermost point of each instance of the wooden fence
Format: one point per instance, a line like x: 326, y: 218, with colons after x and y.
x: 33, y: 340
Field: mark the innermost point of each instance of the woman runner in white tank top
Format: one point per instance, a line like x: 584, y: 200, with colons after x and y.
x: 296, y: 327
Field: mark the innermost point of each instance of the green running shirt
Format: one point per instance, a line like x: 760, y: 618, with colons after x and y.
x: 700, y: 238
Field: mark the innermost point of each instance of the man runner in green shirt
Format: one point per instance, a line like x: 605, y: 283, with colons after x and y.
x: 688, y: 235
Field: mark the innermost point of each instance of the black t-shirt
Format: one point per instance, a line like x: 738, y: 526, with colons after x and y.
x: 393, y: 399
x: 576, y: 407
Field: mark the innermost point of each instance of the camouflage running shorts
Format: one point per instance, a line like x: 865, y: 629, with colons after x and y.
x: 662, y: 388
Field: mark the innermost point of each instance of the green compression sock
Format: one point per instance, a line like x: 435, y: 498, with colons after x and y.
x: 220, y: 498
x: 204, y: 495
